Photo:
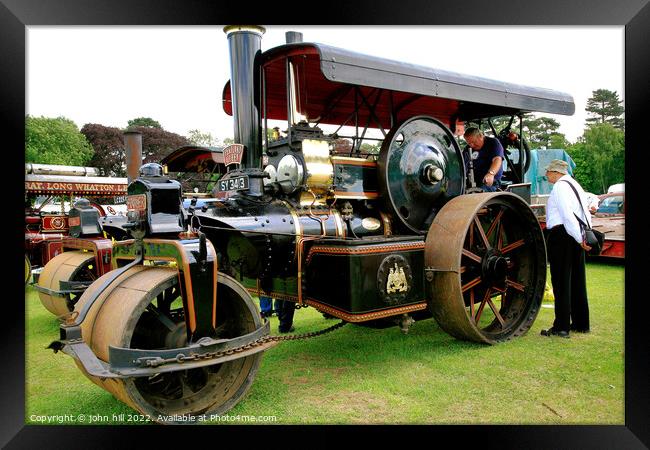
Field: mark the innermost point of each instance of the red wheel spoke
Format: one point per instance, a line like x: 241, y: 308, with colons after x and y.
x: 517, y: 286
x: 496, y: 312
x: 471, y: 303
x: 472, y: 256
x: 476, y: 281
x: 500, y: 239
x: 482, y: 233
x: 511, y: 247
x: 482, y: 305
x: 495, y: 223
x: 499, y: 289
x: 463, y: 269
x: 471, y: 235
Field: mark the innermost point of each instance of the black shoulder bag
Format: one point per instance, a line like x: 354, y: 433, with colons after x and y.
x: 593, y: 238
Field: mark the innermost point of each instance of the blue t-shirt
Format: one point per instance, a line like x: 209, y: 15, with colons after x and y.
x: 491, y: 148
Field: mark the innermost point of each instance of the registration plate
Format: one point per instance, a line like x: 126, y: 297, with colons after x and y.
x: 234, y: 184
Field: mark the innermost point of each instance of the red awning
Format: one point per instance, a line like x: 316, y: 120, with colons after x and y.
x: 328, y: 79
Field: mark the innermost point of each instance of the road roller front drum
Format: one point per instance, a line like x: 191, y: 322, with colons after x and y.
x: 66, y: 266
x: 485, y: 259
x: 142, y: 309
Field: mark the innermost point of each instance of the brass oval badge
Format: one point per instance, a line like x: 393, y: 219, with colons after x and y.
x: 370, y: 223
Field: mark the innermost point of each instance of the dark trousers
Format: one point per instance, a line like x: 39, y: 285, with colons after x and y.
x: 567, y: 260
x: 285, y: 310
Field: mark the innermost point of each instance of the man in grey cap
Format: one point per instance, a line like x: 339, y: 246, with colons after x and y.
x: 566, y: 251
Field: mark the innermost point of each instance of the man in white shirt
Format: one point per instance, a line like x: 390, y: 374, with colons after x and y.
x: 566, y: 251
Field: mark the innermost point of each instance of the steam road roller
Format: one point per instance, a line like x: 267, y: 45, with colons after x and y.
x: 306, y: 214
x: 74, y: 248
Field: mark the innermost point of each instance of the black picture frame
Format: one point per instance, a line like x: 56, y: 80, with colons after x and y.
x: 15, y: 15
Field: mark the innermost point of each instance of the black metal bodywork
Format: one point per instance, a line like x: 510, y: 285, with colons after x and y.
x: 266, y: 234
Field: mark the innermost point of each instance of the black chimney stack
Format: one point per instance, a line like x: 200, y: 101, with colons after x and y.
x: 245, y: 43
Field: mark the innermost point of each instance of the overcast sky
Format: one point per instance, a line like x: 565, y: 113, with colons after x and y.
x: 175, y: 75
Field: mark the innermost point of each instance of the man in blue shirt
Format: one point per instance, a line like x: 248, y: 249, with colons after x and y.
x: 488, y: 163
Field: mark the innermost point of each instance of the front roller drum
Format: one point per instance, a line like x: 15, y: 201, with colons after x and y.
x: 67, y: 266
x: 143, y: 309
x: 485, y: 259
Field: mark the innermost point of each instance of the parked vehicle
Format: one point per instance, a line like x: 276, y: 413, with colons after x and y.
x: 620, y: 187
x: 610, y: 220
x: 612, y: 204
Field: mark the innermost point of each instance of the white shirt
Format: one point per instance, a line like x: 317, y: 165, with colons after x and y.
x: 562, y: 204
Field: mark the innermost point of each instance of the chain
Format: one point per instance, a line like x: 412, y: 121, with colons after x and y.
x: 155, y: 362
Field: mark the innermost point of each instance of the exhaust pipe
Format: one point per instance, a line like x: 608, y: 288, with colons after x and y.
x: 245, y: 43
x: 293, y: 37
x: 133, y: 145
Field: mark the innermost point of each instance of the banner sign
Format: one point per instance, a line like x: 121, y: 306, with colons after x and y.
x: 50, y: 187
x: 233, y: 154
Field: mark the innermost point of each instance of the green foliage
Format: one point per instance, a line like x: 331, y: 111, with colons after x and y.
x: 558, y: 140
x: 605, y: 107
x: 197, y: 137
x: 143, y: 122
x: 55, y: 141
x: 539, y: 132
x: 370, y: 148
x: 600, y: 157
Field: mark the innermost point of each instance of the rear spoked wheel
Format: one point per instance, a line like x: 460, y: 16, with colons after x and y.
x: 489, y: 261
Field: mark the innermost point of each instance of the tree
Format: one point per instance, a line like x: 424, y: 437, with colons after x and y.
x: 55, y: 141
x: 158, y: 143
x: 558, y: 140
x: 143, y: 122
x: 372, y: 149
x: 606, y: 107
x: 197, y: 137
x: 599, y: 157
x: 108, y: 143
x: 584, y: 172
x: 539, y: 132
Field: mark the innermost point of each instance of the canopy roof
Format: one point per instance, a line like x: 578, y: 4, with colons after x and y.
x: 193, y: 158
x: 327, y: 77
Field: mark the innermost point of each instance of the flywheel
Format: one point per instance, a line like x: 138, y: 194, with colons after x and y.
x: 485, y: 260
x: 420, y: 169
x: 143, y: 309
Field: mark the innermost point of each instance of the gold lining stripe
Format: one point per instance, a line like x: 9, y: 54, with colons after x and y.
x: 364, y: 317
x: 348, y: 317
x: 362, y: 250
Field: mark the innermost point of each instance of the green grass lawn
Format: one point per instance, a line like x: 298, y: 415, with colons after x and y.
x: 363, y: 375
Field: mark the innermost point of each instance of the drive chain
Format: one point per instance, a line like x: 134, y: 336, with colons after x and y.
x: 258, y: 342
